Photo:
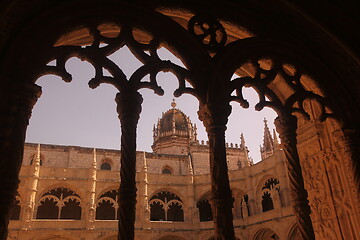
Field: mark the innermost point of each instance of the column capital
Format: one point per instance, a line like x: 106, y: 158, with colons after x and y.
x: 19, y: 98
x: 285, y: 124
x: 214, y: 115
x: 128, y: 105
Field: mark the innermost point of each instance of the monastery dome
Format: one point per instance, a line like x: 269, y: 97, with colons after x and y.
x: 174, y: 129
x: 173, y: 117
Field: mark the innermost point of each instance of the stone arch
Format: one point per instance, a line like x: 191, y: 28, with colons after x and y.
x: 166, y: 206
x: 64, y: 184
x: 204, y: 207
x: 106, y: 164
x: 59, y: 203
x: 265, y: 234
x: 107, y: 205
x: 171, y: 237
x: 241, y: 207
x: 293, y: 233
x: 268, y: 197
x: 340, y: 63
x: 167, y: 170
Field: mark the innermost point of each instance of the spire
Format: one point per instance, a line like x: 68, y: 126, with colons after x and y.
x: 268, y: 143
x: 276, y: 142
x: 154, y: 132
x: 242, y: 142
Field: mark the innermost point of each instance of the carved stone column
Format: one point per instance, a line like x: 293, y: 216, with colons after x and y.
x: 32, y: 186
x: 16, y: 103
x: 286, y: 126
x: 215, y: 118
x: 349, y: 140
x: 128, y: 108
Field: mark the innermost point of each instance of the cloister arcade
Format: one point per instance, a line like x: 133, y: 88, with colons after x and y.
x: 302, y: 66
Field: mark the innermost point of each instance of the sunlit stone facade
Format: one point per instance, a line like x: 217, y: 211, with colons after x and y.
x: 70, y: 192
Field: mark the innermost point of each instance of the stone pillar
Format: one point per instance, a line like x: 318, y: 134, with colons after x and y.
x: 33, y: 185
x: 91, y: 208
x: 128, y: 108
x: 190, y: 189
x: 349, y: 141
x: 144, y: 185
x: 215, y: 118
x: 16, y: 103
x: 286, y: 126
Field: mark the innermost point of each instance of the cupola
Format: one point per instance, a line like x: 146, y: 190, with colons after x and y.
x: 173, y: 133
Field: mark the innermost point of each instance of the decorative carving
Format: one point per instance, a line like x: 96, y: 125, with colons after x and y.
x: 322, y: 212
x: 97, y: 54
x: 349, y: 142
x: 286, y: 127
x: 209, y: 31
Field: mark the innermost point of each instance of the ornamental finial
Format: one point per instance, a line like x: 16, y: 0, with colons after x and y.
x: 173, y: 103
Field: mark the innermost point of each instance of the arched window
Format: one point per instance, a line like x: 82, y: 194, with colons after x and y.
x: 107, y: 206
x: 166, y: 170
x: 205, y: 210
x: 271, y: 188
x: 15, y: 211
x: 166, y: 206
x: 267, y: 203
x: 105, y: 166
x: 59, y: 203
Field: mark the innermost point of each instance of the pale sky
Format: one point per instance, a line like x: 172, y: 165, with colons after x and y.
x: 74, y: 114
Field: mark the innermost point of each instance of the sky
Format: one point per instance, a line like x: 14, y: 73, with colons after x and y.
x: 74, y: 114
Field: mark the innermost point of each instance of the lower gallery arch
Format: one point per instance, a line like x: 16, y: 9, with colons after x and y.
x: 171, y: 237
x: 293, y: 233
x: 204, y: 208
x: 265, y: 234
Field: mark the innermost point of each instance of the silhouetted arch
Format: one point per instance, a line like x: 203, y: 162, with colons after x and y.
x: 270, y: 189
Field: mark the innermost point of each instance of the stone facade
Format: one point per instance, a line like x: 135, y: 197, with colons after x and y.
x: 69, y: 192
